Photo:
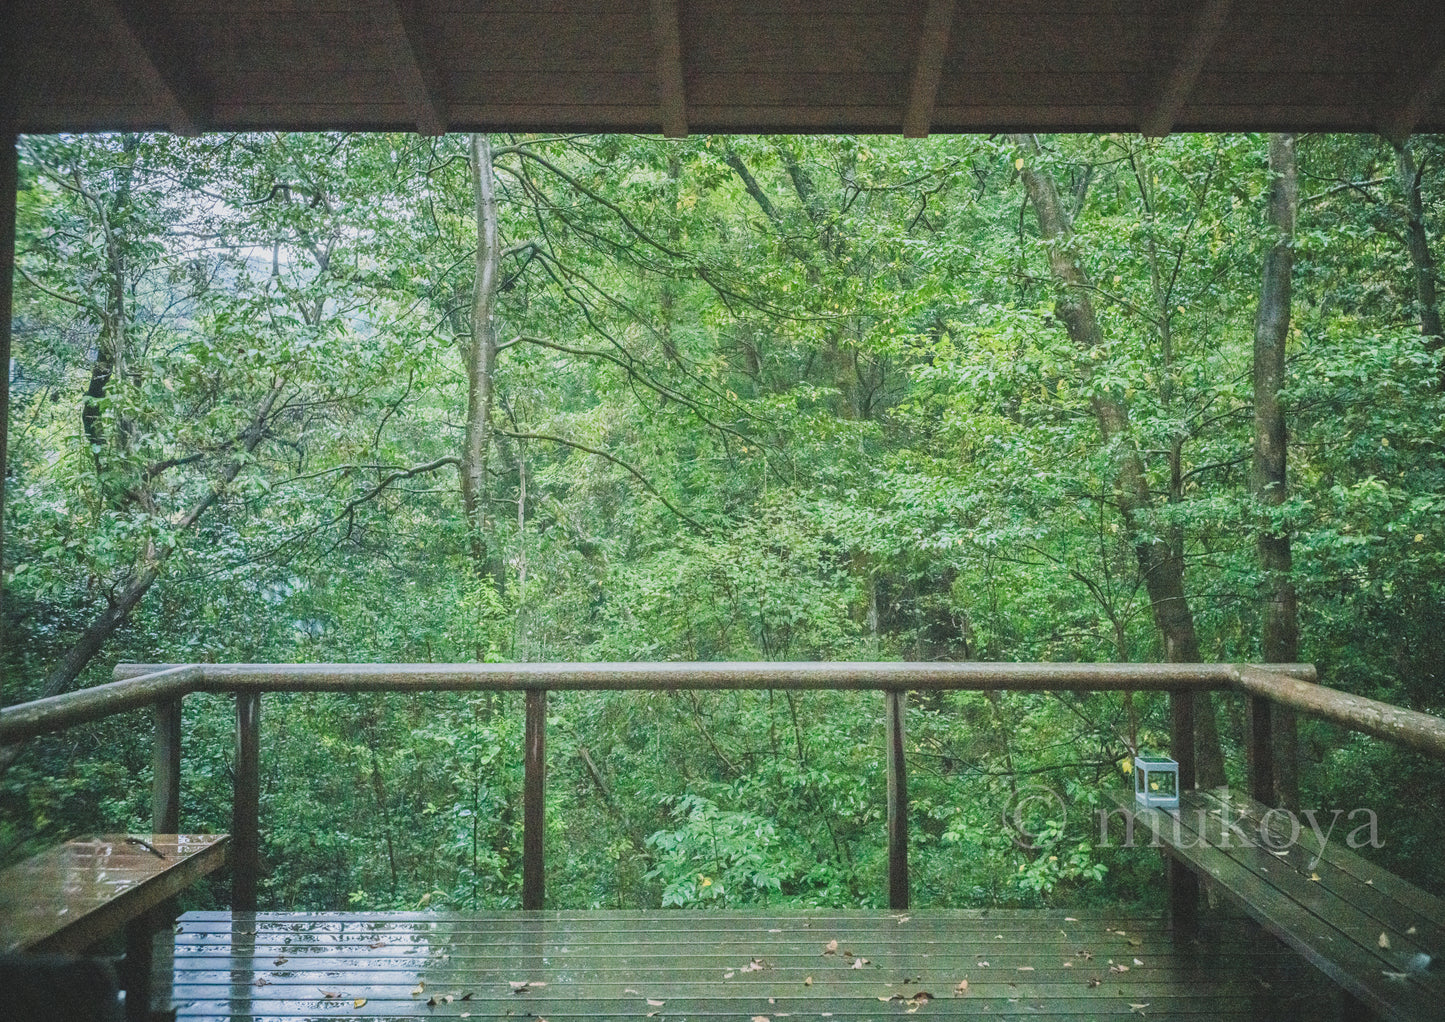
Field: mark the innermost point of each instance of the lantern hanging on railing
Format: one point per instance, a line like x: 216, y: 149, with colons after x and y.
x: 1156, y: 782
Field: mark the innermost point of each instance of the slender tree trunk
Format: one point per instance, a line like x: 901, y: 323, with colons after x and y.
x: 9, y: 170
x: 1271, y: 331
x: 1160, y: 563
x: 1422, y: 260
x: 481, y: 352
x: 143, y: 575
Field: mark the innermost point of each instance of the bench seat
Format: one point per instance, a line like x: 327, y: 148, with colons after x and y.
x: 1375, y: 935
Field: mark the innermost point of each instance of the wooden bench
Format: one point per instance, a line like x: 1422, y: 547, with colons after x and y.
x: 69, y: 897
x: 1378, y: 937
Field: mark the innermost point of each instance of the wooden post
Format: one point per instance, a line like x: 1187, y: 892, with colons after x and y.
x: 897, y: 802
x: 1181, y: 736
x: 166, y: 768
x: 1260, y: 752
x: 534, y: 801
x: 246, y: 804
x: 1183, y: 884
x: 137, y: 965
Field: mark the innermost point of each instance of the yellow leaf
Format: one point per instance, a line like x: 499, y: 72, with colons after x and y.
x: 358, y: 1002
x: 1315, y: 877
x: 1384, y: 940
x: 1019, y: 163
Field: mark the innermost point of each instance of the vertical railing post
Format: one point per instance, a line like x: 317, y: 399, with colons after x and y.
x: 246, y: 804
x: 897, y: 802
x: 534, y: 801
x: 166, y: 768
x: 1260, y: 753
x: 1183, y: 884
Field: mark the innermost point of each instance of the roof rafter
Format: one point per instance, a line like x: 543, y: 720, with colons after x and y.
x: 159, y: 65
x: 671, y: 90
x: 1204, y: 31
x: 1399, y: 125
x: 396, y: 20
x: 928, y: 68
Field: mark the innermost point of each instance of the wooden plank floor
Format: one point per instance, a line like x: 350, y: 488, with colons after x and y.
x: 673, y: 966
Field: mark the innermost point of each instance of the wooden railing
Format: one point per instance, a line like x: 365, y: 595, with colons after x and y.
x: 163, y: 686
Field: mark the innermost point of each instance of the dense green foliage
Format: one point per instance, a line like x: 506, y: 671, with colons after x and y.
x: 774, y: 399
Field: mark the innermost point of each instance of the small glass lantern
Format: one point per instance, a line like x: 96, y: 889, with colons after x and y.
x: 1156, y: 782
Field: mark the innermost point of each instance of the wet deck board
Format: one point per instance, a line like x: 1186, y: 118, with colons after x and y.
x: 753, y: 966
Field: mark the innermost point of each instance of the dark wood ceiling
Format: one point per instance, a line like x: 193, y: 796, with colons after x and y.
x: 726, y: 65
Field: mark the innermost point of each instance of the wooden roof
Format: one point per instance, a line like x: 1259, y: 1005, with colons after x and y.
x: 726, y: 65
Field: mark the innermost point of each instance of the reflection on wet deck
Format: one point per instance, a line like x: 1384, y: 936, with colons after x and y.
x: 757, y: 966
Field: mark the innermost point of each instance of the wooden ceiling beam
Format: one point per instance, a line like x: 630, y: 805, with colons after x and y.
x: 1175, y: 90
x: 410, y: 59
x: 1399, y: 125
x: 928, y: 68
x: 671, y: 89
x: 154, y: 59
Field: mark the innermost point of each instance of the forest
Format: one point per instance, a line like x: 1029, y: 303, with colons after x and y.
x: 540, y: 398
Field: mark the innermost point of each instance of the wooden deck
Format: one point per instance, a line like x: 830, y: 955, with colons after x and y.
x: 671, y: 966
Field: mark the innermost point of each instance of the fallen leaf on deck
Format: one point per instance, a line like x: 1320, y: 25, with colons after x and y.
x: 761, y: 1018
x: 377, y: 944
x: 858, y: 963
x: 327, y: 995
x: 655, y: 1004
x: 831, y: 948
x: 262, y: 981
x: 359, y: 1002
x: 1384, y: 940
x: 1026, y: 968
x: 756, y: 965
x: 1135, y: 942
x: 1392, y: 975
x: 1121, y: 933
x: 772, y: 1000
x: 983, y: 965
x: 1139, y: 1007
x: 1137, y: 962
x: 775, y: 931
x: 1315, y: 877
x: 807, y: 981
x: 417, y: 990
x: 431, y: 1002
x: 903, y: 919
x: 1070, y: 919
x: 629, y: 990
x: 1118, y: 968
x: 922, y: 997
x: 1411, y: 931
x: 467, y: 996
x: 282, y: 960
x: 1094, y: 982
x: 962, y: 988
x: 522, y: 986
x: 729, y: 975
x: 1068, y: 965
x: 466, y: 1014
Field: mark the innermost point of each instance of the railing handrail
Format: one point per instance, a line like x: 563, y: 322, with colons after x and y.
x: 23, y: 721
x: 845, y: 675
x: 163, y: 686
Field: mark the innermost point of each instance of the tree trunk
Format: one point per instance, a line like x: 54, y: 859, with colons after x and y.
x: 1422, y: 260
x: 1271, y: 331
x: 143, y: 575
x: 481, y: 353
x: 1161, y: 566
